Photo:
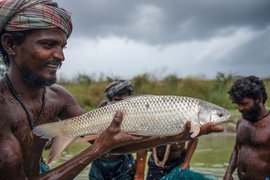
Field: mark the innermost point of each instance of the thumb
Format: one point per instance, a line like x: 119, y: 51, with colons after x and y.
x: 117, y: 120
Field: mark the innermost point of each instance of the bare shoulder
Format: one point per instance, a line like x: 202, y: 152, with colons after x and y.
x: 70, y: 107
x: 59, y: 90
x: 239, y: 122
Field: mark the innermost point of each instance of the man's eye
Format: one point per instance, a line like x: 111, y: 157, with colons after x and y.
x: 47, y: 44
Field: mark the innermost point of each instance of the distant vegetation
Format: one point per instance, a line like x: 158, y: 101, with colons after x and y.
x: 89, y: 92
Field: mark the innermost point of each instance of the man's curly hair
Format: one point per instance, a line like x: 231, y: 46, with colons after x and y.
x: 247, y: 87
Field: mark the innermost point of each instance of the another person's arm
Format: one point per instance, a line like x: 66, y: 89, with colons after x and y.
x: 192, y: 144
x: 140, y: 165
x: 233, y: 160
x: 232, y: 165
x: 157, y: 141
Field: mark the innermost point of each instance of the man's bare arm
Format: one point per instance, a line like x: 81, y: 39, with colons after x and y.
x: 154, y: 142
x: 232, y: 165
x: 192, y: 144
x: 110, y: 139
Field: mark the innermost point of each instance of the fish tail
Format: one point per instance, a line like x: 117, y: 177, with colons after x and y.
x: 55, y: 131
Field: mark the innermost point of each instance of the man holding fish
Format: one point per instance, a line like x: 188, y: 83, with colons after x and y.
x: 33, y: 34
x: 251, y: 153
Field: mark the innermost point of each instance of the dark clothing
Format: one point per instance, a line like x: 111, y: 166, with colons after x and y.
x: 187, y: 174
x: 43, y: 167
x: 156, y: 173
x: 119, y: 168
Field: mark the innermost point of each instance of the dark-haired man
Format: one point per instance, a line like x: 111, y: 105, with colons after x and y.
x: 120, y: 167
x: 33, y: 34
x: 251, y: 154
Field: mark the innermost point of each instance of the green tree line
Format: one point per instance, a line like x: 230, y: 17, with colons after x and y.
x: 90, y: 92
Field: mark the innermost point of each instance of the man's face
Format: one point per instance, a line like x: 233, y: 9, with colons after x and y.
x: 250, y: 109
x: 119, y: 98
x: 40, y: 56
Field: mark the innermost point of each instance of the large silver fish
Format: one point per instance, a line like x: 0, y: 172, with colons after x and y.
x: 146, y: 115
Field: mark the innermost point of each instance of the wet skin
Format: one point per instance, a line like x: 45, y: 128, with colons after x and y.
x: 20, y: 154
x: 251, y: 154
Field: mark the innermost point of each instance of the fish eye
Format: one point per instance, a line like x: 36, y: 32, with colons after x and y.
x: 220, y: 114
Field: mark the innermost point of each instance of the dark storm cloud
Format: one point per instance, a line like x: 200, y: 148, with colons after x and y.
x: 255, y: 51
x: 164, y: 22
x: 250, y: 58
x: 230, y: 36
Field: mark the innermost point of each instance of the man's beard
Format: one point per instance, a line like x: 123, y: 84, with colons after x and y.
x: 36, y: 80
x: 253, y: 114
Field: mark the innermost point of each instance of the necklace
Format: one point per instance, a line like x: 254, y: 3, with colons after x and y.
x: 17, y: 97
x: 165, y: 157
x: 264, y: 116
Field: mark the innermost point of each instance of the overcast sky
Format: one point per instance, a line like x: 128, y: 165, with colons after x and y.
x: 125, y: 38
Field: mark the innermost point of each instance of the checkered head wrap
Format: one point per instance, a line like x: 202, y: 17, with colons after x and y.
x: 117, y: 86
x: 19, y: 15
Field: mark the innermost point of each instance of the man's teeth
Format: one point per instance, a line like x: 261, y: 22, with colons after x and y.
x: 52, y: 66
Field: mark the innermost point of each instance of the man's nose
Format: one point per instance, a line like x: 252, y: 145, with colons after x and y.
x: 58, y: 54
x: 240, y: 108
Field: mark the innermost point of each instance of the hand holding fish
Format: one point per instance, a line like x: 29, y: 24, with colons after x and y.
x: 151, y: 142
x: 113, y: 137
x: 186, y: 134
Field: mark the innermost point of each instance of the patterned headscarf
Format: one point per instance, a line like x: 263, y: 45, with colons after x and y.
x: 115, y: 87
x: 18, y: 15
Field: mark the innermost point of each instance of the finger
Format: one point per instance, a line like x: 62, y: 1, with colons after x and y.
x: 136, y: 137
x: 206, y: 127
x: 117, y: 120
x: 217, y: 128
x: 210, y: 127
x: 187, y: 128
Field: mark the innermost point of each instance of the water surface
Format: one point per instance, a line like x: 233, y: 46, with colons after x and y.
x: 211, y: 156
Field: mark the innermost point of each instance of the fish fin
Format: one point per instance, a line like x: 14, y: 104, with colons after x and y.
x: 58, y: 145
x: 195, y: 129
x: 53, y: 130
x: 49, y: 130
x: 87, y: 138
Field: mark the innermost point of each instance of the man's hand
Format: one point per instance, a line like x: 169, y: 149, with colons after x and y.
x: 141, y: 143
x: 183, y: 166
x: 211, y: 128
x: 185, y: 135
x: 113, y: 137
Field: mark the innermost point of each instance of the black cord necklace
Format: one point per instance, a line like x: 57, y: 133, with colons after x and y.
x: 264, y: 116
x: 17, y: 96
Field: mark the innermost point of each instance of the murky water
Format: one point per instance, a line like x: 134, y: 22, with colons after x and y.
x: 211, y: 156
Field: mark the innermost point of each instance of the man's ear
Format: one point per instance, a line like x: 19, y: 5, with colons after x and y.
x: 7, y: 44
x: 260, y: 100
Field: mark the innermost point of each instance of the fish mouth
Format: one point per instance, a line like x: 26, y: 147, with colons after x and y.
x: 227, y: 115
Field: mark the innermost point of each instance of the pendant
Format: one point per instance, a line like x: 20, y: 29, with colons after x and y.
x: 31, y: 135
